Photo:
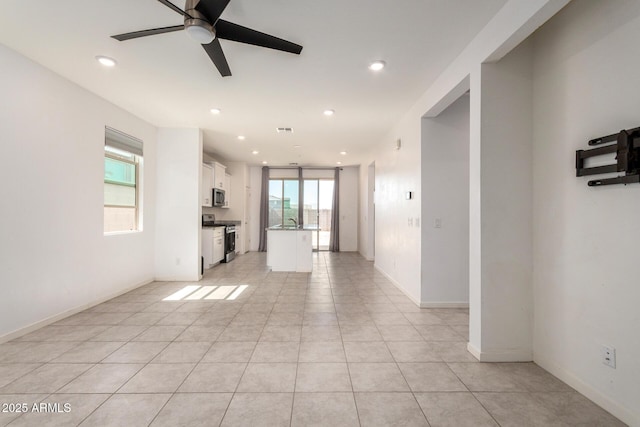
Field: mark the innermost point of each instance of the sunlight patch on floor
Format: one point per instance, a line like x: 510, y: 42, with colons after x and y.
x: 181, y: 293
x: 221, y: 293
x: 195, y: 293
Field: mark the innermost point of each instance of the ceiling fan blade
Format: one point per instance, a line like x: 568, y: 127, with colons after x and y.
x: 144, y: 33
x: 237, y: 33
x: 175, y: 8
x: 212, y: 9
x: 214, y: 50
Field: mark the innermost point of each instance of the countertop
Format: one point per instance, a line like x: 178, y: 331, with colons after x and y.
x: 292, y: 229
x: 223, y: 224
x: 229, y: 222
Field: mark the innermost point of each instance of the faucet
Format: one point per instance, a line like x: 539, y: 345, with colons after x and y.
x: 294, y: 221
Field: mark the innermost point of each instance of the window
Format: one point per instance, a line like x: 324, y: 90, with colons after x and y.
x: 122, y: 165
x: 283, y: 202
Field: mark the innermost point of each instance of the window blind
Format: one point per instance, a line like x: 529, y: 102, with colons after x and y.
x: 122, y: 141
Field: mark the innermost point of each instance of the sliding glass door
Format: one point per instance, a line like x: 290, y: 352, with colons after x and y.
x: 317, y: 202
x: 317, y: 209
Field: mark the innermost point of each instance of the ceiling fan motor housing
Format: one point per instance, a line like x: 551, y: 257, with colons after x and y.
x: 197, y: 19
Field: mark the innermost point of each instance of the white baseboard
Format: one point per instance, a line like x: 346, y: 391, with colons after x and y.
x: 181, y: 278
x: 511, y: 355
x: 626, y: 415
x: 474, y: 351
x: 454, y: 304
x: 397, y: 285
x: 53, y: 319
x: 422, y: 304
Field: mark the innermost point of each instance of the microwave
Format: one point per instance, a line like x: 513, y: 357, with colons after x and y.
x: 218, y: 198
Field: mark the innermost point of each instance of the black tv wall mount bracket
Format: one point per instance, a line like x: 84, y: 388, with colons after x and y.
x: 627, y: 149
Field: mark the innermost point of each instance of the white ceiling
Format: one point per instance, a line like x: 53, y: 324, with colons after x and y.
x: 169, y: 81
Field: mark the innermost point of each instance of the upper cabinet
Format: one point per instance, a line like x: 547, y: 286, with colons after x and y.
x: 207, y: 186
x: 227, y: 190
x: 214, y: 175
x: 219, y: 172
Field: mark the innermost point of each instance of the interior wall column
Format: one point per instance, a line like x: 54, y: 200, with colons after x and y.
x: 500, y: 201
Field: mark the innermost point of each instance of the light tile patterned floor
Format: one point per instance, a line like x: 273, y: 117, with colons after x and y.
x: 338, y: 347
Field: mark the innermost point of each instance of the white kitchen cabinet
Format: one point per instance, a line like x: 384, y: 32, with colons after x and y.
x: 289, y: 250
x: 207, y: 185
x: 207, y: 247
x: 219, y: 171
x: 227, y: 190
x: 218, y: 244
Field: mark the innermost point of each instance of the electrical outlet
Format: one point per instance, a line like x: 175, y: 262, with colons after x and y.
x: 609, y: 356
x: 437, y: 223
x: 177, y: 261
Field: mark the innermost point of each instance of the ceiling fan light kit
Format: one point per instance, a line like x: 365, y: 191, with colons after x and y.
x: 196, y: 24
x: 203, y: 34
x: 203, y: 24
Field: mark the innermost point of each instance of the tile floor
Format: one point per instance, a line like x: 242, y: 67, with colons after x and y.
x: 338, y: 347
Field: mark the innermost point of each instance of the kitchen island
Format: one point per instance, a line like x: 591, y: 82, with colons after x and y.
x: 289, y: 249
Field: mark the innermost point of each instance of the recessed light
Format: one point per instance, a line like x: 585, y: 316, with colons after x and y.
x: 296, y: 146
x: 242, y: 137
x: 216, y: 111
x: 329, y: 112
x: 254, y: 152
x: 377, y: 65
x: 344, y: 153
x: 264, y: 162
x: 338, y: 163
x: 106, y: 61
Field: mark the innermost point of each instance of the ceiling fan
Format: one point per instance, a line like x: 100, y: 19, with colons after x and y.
x: 202, y: 22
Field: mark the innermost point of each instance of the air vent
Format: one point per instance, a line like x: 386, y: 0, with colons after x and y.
x: 293, y: 164
x: 284, y: 130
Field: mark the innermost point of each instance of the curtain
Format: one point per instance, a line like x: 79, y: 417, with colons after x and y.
x: 334, y: 239
x: 264, y: 209
x: 300, y: 198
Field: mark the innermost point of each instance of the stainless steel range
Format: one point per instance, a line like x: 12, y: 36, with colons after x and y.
x: 229, y: 243
x: 209, y: 220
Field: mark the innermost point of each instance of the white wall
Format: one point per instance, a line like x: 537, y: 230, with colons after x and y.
x: 445, y: 197
x: 397, y: 243
x: 400, y: 171
x: 178, y: 204
x: 500, y: 209
x: 54, y: 257
x: 366, y: 209
x: 586, y: 84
